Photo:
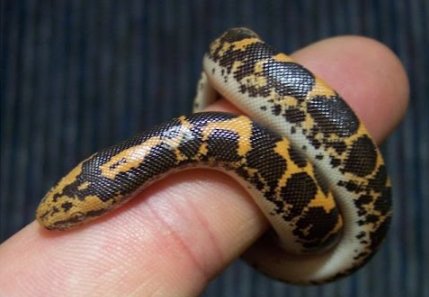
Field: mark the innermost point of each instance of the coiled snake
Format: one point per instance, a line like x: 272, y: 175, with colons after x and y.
x: 306, y: 159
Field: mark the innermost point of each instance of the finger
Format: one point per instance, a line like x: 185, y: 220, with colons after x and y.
x: 182, y: 231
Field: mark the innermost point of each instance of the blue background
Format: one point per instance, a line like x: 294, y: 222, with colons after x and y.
x: 77, y: 75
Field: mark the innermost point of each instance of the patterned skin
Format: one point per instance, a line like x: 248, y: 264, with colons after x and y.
x: 307, y: 161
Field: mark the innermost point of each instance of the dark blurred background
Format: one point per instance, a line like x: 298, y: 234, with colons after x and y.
x: 78, y: 75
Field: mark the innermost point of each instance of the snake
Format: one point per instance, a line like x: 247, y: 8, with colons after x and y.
x: 300, y: 151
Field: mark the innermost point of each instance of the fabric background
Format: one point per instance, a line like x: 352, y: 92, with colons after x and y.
x: 77, y: 75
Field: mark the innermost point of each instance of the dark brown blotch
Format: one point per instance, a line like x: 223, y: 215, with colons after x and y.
x: 333, y: 115
x: 66, y: 206
x: 223, y: 146
x: 318, y: 224
x: 297, y: 157
x: 362, y: 157
x: 298, y: 192
x: 378, y: 183
x: 289, y: 78
x: 339, y: 146
x: 335, y: 162
x: 294, y: 115
x: 276, y: 109
x: 379, y: 234
x: 270, y: 165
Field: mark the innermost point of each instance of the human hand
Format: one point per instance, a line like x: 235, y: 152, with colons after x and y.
x: 182, y: 231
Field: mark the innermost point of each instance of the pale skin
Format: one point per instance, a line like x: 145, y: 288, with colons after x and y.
x: 174, y: 238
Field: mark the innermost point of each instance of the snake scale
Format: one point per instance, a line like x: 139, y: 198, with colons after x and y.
x: 305, y: 158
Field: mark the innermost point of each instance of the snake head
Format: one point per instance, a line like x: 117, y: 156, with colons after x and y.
x: 60, y: 212
x: 70, y: 202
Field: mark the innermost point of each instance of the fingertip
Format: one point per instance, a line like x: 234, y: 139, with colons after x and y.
x: 368, y: 75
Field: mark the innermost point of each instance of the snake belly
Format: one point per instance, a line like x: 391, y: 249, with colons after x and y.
x: 305, y: 158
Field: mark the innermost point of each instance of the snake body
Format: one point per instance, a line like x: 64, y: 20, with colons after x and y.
x: 305, y: 158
